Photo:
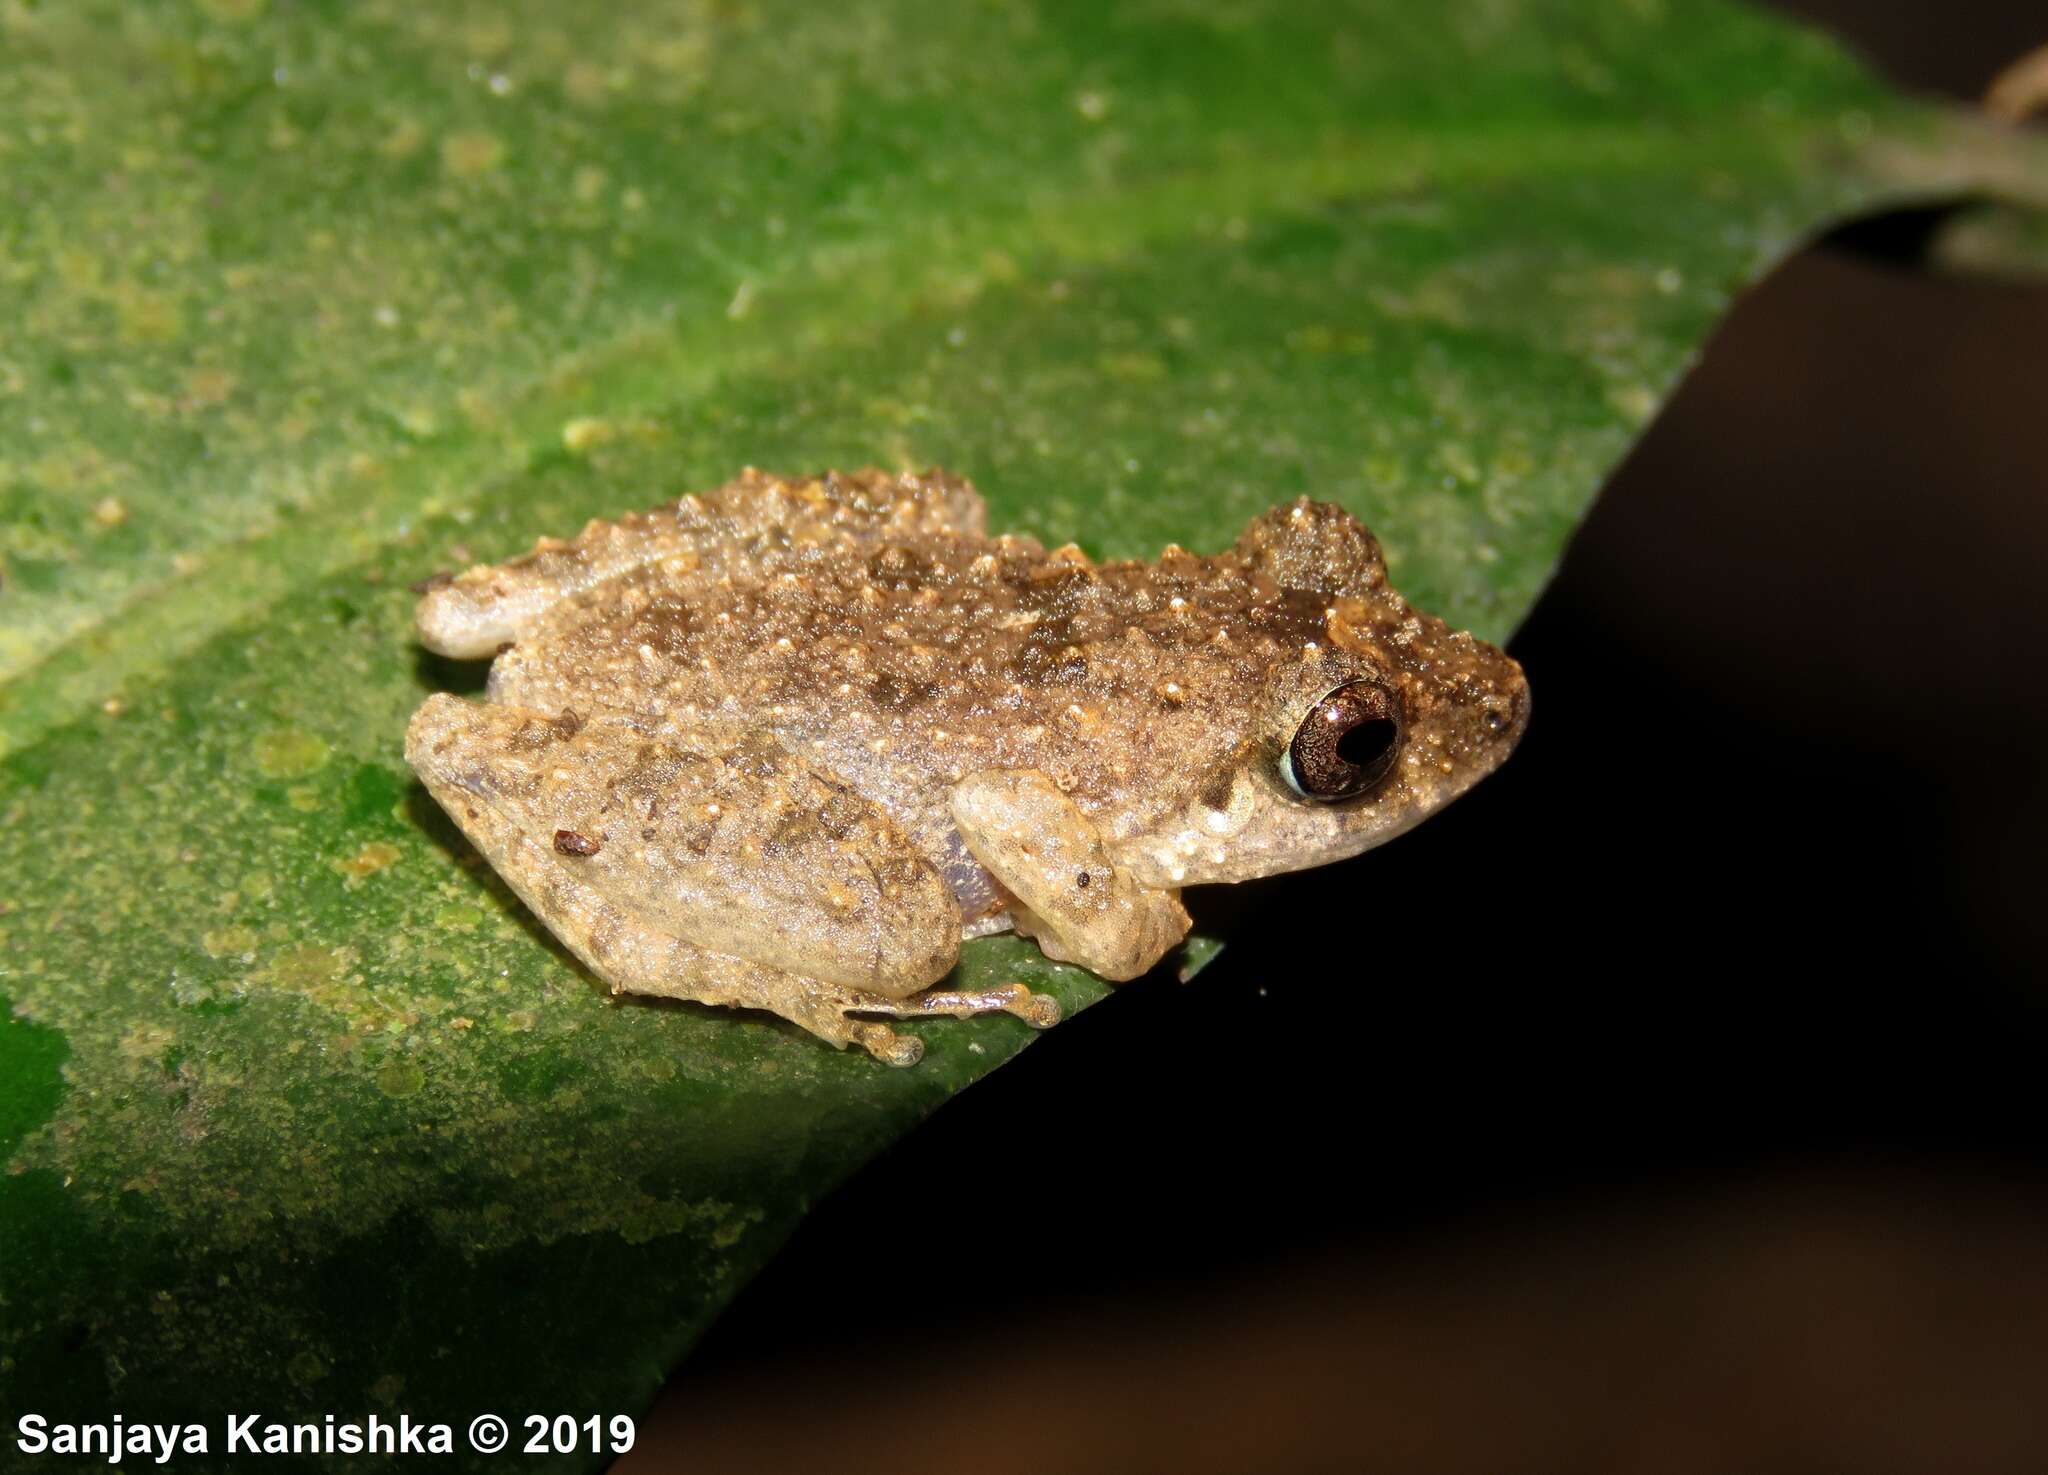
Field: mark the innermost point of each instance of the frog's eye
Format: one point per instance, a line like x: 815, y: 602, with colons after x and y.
x: 1346, y: 744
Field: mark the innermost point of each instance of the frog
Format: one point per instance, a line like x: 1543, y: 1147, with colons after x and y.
x: 786, y: 744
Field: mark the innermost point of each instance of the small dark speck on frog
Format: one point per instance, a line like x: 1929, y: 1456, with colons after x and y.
x: 568, y: 842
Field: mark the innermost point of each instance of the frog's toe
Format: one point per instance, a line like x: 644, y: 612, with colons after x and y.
x: 886, y: 1045
x: 1040, y: 1011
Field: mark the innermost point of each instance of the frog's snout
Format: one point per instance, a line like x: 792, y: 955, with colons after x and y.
x: 1507, y: 718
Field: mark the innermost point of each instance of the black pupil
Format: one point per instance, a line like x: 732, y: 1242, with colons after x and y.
x: 1367, y: 742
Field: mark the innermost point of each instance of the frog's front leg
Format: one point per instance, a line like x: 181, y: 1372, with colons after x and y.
x: 728, y: 873
x: 1077, y: 905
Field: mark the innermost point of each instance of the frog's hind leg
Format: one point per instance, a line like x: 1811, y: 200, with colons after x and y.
x: 831, y: 1018
x: 822, y: 1008
x: 631, y: 956
x: 1040, y: 1011
x: 739, y: 876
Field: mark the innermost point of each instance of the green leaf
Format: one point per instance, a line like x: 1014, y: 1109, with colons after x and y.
x: 301, y: 303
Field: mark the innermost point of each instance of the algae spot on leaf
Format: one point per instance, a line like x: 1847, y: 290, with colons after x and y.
x: 401, y: 1078
x: 288, y: 753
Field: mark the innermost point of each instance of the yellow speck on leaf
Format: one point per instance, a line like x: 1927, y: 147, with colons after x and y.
x: 146, y: 1041
x: 288, y: 753
x: 148, y: 317
x: 586, y: 83
x: 1515, y: 461
x: 1638, y: 402
x: 306, y: 968
x: 371, y: 859
x: 1457, y: 460
x: 471, y: 152
x: 587, y: 431
x: 682, y: 55
x: 476, y: 406
x: 1136, y: 368
x: 71, y: 471
x: 489, y: 35
x: 205, y: 388
x: 419, y: 421
x: 1321, y: 338
x: 227, y: 942
x: 80, y: 270
x: 403, y: 141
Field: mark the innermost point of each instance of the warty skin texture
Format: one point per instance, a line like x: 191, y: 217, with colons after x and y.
x: 975, y: 722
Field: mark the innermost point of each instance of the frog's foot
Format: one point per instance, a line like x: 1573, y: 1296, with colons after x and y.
x: 1040, y: 1011
x: 824, y: 1009
x: 1070, y: 899
x: 884, y: 1043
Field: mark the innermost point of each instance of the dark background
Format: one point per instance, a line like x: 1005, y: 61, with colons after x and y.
x: 1672, y: 1104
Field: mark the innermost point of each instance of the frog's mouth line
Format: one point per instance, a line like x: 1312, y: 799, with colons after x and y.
x: 1210, y: 847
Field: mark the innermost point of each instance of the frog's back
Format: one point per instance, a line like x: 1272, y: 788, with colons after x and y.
x: 827, y: 624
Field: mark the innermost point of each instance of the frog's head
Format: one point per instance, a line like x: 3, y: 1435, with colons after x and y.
x: 1376, y: 717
